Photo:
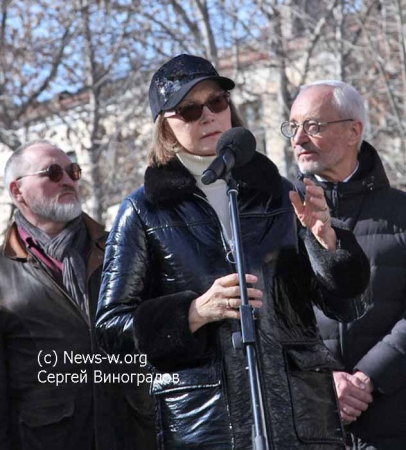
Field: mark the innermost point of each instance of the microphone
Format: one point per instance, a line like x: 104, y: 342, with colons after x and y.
x: 235, y: 148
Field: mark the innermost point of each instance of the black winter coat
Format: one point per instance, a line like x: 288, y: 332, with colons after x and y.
x: 166, y: 248
x: 375, y: 344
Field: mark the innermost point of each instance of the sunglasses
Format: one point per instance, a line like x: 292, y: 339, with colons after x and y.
x: 193, y: 111
x: 55, y: 172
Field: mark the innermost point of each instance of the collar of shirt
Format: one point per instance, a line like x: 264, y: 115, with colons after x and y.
x: 318, y: 178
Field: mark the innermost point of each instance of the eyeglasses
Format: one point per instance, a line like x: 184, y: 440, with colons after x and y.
x: 55, y: 172
x: 310, y: 126
x: 193, y: 111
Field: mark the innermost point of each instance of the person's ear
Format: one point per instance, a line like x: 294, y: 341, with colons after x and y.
x: 15, y: 192
x: 356, y: 129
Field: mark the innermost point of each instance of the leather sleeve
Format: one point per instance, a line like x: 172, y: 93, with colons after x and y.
x: 128, y: 319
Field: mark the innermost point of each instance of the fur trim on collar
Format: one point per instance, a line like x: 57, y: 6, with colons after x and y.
x: 173, y: 182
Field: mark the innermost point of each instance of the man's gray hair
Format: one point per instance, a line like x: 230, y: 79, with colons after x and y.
x: 16, y: 165
x: 346, y: 99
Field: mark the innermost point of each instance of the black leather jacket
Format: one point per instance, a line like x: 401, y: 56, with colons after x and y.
x: 48, y: 400
x: 376, y: 344
x: 36, y: 315
x: 166, y: 248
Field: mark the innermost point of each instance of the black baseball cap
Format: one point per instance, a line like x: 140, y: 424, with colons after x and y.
x: 176, y: 78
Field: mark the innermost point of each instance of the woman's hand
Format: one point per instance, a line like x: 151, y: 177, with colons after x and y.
x: 314, y: 214
x: 222, y: 301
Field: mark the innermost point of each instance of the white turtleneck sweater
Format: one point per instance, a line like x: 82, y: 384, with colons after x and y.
x: 216, y: 192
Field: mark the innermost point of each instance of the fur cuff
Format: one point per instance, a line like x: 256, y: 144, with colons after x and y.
x: 345, y: 271
x: 161, y: 330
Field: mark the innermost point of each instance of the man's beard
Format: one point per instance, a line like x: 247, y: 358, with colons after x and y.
x: 312, y: 168
x: 56, y: 212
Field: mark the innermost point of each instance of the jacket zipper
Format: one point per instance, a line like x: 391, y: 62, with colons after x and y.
x: 228, y: 249
x: 342, y: 327
x: 334, y: 198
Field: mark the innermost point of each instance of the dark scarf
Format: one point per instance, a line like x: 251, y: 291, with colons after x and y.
x: 67, y: 247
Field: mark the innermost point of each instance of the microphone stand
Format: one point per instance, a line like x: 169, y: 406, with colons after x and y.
x: 246, y: 338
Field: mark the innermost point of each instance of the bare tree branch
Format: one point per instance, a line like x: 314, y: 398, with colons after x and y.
x: 54, y: 68
x: 207, y: 31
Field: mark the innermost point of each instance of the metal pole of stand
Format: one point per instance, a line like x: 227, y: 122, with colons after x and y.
x: 247, y: 338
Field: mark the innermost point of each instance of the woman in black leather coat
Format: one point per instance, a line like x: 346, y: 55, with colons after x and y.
x: 170, y: 290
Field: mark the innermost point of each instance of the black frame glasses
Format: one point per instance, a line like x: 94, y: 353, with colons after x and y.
x: 55, y: 172
x: 310, y: 126
x: 193, y: 111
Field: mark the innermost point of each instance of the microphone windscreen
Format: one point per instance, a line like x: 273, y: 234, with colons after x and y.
x: 240, y: 141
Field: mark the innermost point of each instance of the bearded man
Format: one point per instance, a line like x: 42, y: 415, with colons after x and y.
x: 50, y: 270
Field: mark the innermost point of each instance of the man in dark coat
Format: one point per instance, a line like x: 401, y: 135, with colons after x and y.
x: 50, y: 270
x: 326, y: 125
